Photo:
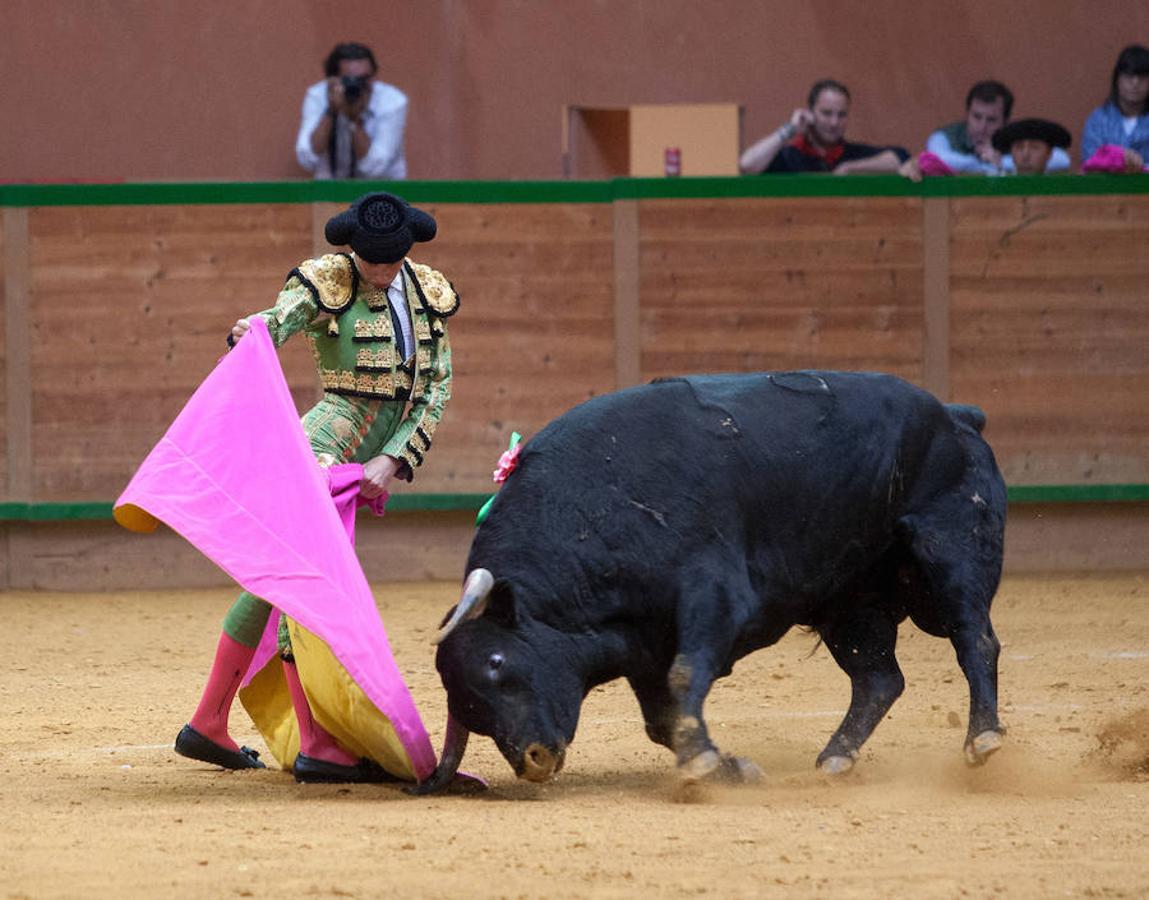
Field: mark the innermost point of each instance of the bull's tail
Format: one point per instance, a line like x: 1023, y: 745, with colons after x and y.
x: 968, y: 415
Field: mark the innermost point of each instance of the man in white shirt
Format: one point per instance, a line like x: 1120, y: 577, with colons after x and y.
x: 352, y: 125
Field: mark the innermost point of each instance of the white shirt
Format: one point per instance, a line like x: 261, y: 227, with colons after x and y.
x: 397, y: 297
x: 384, y: 120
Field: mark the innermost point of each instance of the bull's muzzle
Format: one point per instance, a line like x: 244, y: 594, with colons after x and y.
x: 540, y: 763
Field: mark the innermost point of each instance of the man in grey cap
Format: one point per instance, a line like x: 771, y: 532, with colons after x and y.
x: 377, y: 323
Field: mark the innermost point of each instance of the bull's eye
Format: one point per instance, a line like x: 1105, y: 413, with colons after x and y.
x: 495, y: 662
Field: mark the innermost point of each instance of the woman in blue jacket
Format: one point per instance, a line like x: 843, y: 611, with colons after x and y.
x: 1124, y: 117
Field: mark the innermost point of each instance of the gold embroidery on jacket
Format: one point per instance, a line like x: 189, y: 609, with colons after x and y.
x: 331, y: 277
x: 441, y: 297
x: 366, y: 358
x: 373, y: 329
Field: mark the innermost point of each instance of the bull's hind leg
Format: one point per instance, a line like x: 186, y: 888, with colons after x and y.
x: 978, y: 650
x: 862, y: 642
x: 961, y: 563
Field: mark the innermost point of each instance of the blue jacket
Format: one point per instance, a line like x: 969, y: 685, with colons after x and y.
x: 1105, y: 126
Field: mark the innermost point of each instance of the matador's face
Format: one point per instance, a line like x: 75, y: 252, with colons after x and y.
x: 378, y: 274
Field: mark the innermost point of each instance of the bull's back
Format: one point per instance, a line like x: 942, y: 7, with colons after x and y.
x: 795, y: 478
x: 768, y: 435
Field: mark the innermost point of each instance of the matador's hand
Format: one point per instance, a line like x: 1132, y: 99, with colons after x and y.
x: 377, y: 475
x: 238, y: 330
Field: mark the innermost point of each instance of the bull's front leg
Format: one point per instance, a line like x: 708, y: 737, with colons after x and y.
x: 689, y: 680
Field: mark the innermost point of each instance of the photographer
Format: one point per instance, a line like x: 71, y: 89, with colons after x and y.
x: 813, y: 140
x: 352, y: 125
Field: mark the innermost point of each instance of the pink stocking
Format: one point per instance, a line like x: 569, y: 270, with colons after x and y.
x: 314, y: 740
x: 231, y: 661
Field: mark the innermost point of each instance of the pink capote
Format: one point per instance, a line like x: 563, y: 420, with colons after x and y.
x: 235, y: 476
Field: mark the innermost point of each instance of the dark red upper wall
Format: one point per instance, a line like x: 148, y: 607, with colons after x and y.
x: 211, y: 90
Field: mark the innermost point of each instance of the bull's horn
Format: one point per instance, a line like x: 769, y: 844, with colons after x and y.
x: 454, y: 745
x: 476, y: 590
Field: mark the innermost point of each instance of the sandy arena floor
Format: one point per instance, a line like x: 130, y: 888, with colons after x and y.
x: 95, y: 803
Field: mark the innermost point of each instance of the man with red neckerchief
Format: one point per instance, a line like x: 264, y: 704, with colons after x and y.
x: 813, y: 140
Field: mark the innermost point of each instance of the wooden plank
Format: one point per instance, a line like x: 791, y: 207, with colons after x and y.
x: 5, y: 557
x: 1077, y: 537
x: 320, y: 213
x: 936, y: 312
x: 534, y: 334
x: 3, y: 365
x: 17, y: 358
x: 627, y: 318
x: 753, y: 284
x: 1049, y: 333
x: 130, y: 307
x: 92, y: 556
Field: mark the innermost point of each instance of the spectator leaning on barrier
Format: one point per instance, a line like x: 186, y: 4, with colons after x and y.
x: 966, y: 147
x: 813, y: 140
x: 1031, y: 143
x: 352, y: 125
x: 1123, y: 120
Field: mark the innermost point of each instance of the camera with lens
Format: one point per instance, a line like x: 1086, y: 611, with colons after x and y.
x: 353, y: 87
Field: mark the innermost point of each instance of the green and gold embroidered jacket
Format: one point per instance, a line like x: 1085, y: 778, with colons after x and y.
x: 348, y: 324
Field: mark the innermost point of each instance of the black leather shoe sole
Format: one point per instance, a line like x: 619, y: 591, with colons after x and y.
x: 193, y: 745
x: 309, y: 770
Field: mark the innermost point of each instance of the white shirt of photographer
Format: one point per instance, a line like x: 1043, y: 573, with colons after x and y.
x: 384, y: 120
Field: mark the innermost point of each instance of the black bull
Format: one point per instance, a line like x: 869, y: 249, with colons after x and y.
x: 661, y: 533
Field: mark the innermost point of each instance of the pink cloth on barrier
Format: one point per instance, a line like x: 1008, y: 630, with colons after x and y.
x: 1108, y: 158
x: 236, y: 477
x: 932, y: 165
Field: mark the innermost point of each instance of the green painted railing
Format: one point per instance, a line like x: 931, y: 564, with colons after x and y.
x: 95, y: 511
x: 1037, y: 493
x: 172, y: 193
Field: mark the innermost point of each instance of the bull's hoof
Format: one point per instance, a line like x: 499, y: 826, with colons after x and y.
x: 704, y: 764
x: 836, y: 765
x: 739, y: 770
x: 712, y: 766
x: 983, y: 747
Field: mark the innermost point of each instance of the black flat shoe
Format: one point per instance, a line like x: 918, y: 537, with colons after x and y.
x: 193, y: 745
x: 309, y: 770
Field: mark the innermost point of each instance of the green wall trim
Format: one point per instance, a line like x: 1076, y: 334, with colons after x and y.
x: 572, y: 191
x: 1024, y: 493
x: 93, y: 511
x: 1078, y: 493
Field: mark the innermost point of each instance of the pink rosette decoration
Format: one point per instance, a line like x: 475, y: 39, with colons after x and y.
x: 508, y: 462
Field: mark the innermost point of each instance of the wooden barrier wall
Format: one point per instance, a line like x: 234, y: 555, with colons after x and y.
x: 1034, y: 306
x: 1050, y: 332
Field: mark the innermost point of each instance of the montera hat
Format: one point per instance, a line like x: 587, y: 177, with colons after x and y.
x: 1031, y: 130
x: 380, y: 227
